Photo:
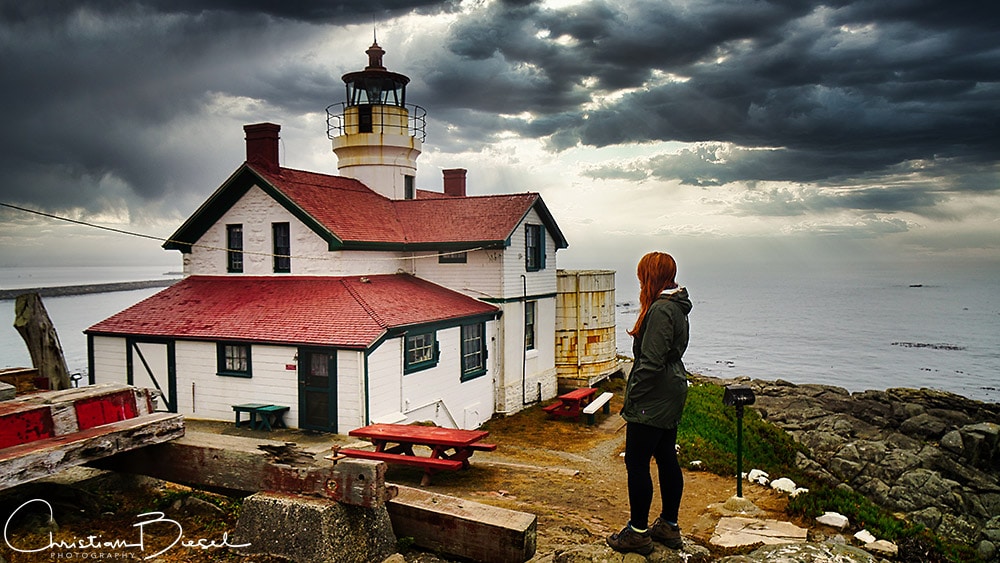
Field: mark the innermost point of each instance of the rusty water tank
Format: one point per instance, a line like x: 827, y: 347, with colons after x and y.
x: 586, y: 351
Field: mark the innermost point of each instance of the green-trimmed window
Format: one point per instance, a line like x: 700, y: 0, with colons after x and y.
x: 234, y: 359
x: 529, y: 324
x: 282, y: 247
x: 234, y: 248
x: 473, y: 351
x: 421, y: 351
x: 534, y: 248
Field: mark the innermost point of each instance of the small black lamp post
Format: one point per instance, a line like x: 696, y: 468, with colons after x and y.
x: 738, y: 396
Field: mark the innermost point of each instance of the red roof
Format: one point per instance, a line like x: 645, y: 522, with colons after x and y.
x: 345, y: 212
x: 342, y: 312
x: 352, y: 211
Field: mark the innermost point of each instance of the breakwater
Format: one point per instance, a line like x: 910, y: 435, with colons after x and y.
x: 66, y: 290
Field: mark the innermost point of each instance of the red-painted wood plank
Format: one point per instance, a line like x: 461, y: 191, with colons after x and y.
x: 105, y: 409
x: 25, y: 426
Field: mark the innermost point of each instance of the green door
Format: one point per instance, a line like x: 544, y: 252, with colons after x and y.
x: 318, y: 389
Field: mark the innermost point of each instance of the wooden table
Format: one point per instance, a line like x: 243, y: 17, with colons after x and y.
x: 450, y: 449
x: 571, y: 404
x: 262, y: 415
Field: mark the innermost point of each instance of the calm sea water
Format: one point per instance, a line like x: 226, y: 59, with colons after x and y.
x: 854, y: 329
x: 860, y: 330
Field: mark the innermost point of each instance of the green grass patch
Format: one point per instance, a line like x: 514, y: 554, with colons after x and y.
x: 708, y: 433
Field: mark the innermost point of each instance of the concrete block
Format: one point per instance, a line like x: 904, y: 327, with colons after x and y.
x: 313, y: 530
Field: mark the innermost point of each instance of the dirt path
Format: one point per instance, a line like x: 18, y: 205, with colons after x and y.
x: 572, y: 477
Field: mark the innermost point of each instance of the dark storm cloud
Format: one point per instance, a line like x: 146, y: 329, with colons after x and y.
x: 838, y: 90
x: 94, y: 90
x: 99, y: 94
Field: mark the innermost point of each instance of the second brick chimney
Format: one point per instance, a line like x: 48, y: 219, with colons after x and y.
x: 262, y: 145
x: 454, y: 182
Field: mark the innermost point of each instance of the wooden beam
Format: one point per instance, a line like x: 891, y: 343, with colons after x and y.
x: 40, y: 458
x: 463, y: 528
x: 254, y: 465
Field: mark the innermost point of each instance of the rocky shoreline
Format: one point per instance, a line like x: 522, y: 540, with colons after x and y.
x: 932, y: 457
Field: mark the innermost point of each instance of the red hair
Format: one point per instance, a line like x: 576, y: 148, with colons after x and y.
x: 656, y: 272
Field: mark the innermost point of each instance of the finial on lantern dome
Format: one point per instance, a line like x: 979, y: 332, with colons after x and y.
x: 375, y: 55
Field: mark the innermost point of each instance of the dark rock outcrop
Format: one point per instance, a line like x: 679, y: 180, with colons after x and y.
x: 930, y: 455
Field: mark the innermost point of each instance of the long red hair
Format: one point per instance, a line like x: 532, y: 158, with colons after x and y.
x: 656, y: 272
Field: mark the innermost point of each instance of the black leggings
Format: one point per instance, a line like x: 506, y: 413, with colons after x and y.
x: 643, y: 443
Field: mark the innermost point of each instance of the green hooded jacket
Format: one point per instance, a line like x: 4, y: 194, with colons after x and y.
x: 657, y: 385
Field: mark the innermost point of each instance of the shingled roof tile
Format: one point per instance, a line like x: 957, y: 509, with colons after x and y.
x: 341, y: 312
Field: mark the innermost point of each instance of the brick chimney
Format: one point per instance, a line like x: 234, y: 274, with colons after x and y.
x: 262, y: 145
x: 454, y: 182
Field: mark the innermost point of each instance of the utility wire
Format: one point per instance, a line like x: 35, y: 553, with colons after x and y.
x: 209, y: 247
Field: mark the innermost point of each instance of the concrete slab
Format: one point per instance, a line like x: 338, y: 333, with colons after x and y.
x: 737, y: 531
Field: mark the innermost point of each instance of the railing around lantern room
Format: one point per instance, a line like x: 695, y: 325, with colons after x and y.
x: 384, y: 119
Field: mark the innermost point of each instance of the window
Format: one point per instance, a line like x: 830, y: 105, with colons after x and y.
x: 473, y: 351
x: 452, y: 258
x: 282, y: 248
x: 529, y: 324
x: 409, y: 188
x: 421, y: 352
x: 234, y: 359
x: 534, y: 247
x: 234, y: 245
x: 365, y: 119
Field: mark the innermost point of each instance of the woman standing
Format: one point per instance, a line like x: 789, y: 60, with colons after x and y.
x: 654, y: 400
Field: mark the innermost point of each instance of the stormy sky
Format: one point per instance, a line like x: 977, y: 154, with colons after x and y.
x: 718, y: 130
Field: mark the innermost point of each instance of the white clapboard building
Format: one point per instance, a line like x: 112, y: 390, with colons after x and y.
x: 353, y: 298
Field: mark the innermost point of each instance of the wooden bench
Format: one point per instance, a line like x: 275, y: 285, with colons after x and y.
x: 483, y: 447
x: 602, y: 401
x: 404, y: 459
x: 261, y: 415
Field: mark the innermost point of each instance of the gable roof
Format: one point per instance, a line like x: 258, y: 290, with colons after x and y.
x: 341, y: 312
x: 349, y: 215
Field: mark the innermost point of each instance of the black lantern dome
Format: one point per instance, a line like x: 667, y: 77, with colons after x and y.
x: 375, y: 85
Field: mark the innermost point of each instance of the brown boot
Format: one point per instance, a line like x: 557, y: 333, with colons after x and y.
x: 628, y: 540
x: 666, y: 534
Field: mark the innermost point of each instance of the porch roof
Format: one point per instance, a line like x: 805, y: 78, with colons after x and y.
x: 340, y: 312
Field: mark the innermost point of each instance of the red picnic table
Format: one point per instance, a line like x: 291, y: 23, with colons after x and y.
x: 571, y: 404
x: 450, y: 449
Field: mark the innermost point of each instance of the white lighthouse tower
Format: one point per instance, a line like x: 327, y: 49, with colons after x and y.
x: 376, y: 135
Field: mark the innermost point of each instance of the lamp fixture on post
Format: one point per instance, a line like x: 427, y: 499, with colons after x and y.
x: 738, y: 396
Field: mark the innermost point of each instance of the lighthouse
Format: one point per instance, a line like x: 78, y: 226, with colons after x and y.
x: 376, y: 135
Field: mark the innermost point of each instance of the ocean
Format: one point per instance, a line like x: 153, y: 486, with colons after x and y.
x: 860, y: 329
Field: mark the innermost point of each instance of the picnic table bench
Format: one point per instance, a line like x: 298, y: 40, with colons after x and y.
x: 262, y: 415
x: 450, y: 449
x: 571, y: 404
x: 604, y: 400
